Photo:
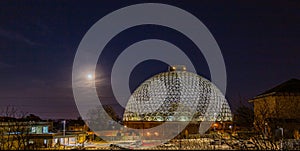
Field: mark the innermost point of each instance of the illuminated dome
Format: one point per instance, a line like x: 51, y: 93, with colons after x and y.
x: 159, y: 98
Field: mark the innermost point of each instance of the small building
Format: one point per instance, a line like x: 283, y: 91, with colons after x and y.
x: 77, y: 125
x: 17, y: 134
x: 279, y: 108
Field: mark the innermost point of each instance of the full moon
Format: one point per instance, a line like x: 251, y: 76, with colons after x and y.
x: 89, y: 76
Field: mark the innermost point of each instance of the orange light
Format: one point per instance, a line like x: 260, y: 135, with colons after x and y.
x: 215, y: 125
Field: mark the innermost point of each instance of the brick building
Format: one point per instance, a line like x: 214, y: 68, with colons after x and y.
x: 279, y: 107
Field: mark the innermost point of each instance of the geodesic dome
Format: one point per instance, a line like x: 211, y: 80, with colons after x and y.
x: 177, y: 96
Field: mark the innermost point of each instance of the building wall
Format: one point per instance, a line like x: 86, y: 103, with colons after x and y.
x: 263, y: 107
x: 20, y: 135
x: 77, y: 127
x: 281, y: 105
x: 191, y: 128
x: 288, y: 105
x: 278, y: 110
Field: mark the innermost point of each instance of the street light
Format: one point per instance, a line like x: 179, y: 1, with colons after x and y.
x: 215, y: 123
x: 214, y: 126
x: 281, y: 143
x: 113, y: 127
x: 230, y: 127
x: 266, y: 124
x: 64, y: 132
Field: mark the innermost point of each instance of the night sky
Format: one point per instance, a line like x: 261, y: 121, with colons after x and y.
x: 38, y: 41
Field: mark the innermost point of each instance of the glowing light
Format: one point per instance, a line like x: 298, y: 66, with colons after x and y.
x: 90, y: 76
x: 215, y: 125
x: 148, y: 133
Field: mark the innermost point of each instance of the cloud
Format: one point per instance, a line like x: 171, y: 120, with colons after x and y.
x: 16, y: 36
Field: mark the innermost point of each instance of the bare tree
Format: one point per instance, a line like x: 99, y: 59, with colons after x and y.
x: 266, y: 119
x: 96, y: 117
x: 244, y: 117
x: 14, y: 130
x: 259, y: 127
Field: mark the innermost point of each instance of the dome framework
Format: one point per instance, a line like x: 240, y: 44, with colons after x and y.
x: 177, y: 95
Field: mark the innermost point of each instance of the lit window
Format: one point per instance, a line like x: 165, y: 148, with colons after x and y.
x: 45, y: 129
x: 33, y: 129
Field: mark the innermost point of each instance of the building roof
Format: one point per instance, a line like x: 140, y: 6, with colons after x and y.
x: 290, y: 86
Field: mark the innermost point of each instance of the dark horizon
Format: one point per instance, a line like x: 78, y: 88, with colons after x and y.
x: 38, y: 41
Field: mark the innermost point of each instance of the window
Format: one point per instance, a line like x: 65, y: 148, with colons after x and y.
x: 45, y: 129
x: 33, y: 129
